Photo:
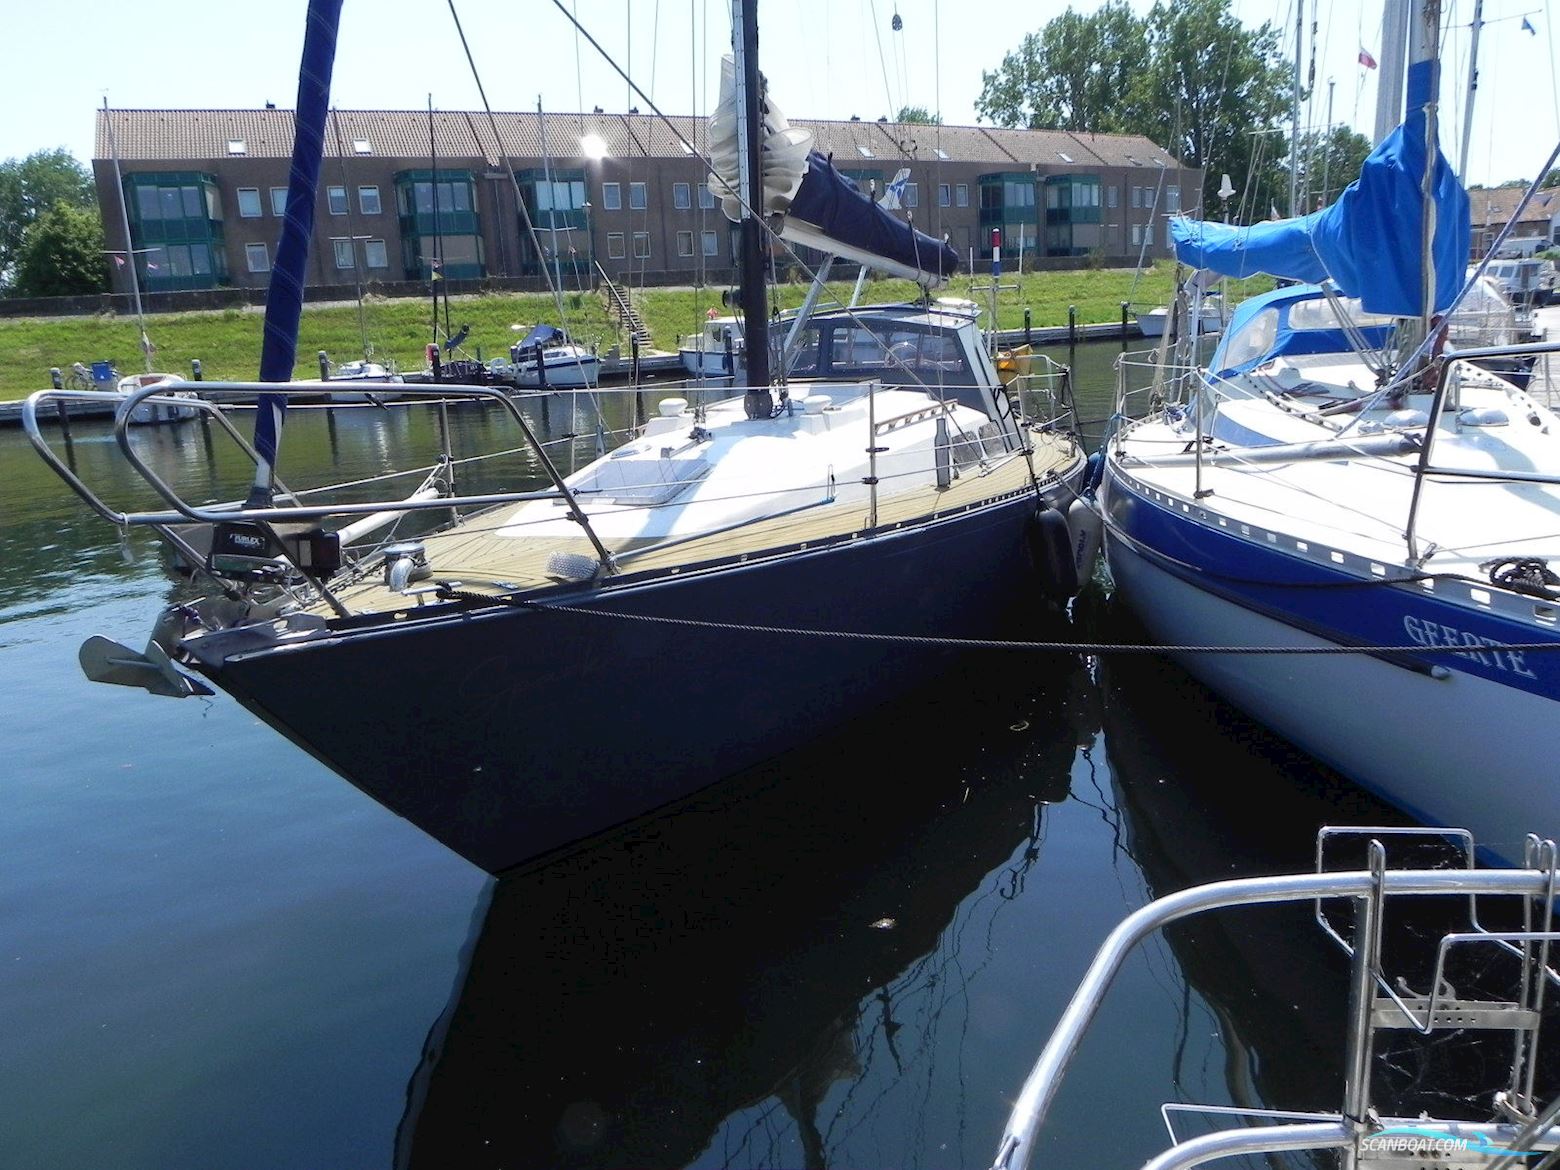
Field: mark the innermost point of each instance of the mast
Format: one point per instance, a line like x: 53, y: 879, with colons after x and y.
x: 1389, y: 87
x: 552, y: 197
x: 124, y: 223
x: 284, y: 296
x: 1294, y: 113
x: 1473, y: 85
x: 755, y: 309
x: 1424, y: 85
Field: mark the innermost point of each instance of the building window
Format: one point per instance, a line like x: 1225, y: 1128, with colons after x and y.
x: 682, y: 198
x: 711, y: 242
x: 248, y: 203
x: 278, y: 201
x: 1112, y: 196
x: 375, y: 255
x: 344, y: 257
x: 368, y: 200
x: 641, y: 245
x: 1150, y: 197
x: 237, y: 146
x: 961, y: 195
x: 176, y: 232
x: 912, y: 195
x: 612, y: 196
x: 336, y: 200
x: 685, y: 243
x: 706, y: 198
x: 944, y: 195
x: 1137, y: 199
x: 615, y: 246
x: 439, y: 219
x: 1137, y: 232
x: 362, y: 146
x: 1172, y: 199
x: 259, y: 259
x: 636, y: 196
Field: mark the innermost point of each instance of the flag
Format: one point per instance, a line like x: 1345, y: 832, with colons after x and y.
x: 1527, y: 26
x: 1366, y: 59
x: 119, y: 260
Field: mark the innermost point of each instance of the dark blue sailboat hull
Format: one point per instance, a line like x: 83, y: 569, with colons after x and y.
x: 508, y: 732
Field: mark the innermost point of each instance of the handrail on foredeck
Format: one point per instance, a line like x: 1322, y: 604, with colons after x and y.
x: 211, y: 405
x: 1040, y: 1088
x: 1438, y: 406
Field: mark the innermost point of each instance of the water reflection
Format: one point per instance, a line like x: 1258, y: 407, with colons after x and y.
x: 713, y: 977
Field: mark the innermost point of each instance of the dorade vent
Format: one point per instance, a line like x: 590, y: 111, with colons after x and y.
x: 237, y: 146
x: 362, y: 146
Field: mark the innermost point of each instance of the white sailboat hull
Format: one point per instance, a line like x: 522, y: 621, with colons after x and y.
x: 1460, y: 750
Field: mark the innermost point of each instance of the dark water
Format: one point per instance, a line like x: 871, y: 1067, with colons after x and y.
x: 213, y: 952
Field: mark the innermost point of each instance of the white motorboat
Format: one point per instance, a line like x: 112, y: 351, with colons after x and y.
x: 546, y: 359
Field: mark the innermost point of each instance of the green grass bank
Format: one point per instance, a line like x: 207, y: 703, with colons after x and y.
x: 227, y: 341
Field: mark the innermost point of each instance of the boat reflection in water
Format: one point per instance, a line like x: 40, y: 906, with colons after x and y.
x: 1205, y: 794
x: 698, y: 977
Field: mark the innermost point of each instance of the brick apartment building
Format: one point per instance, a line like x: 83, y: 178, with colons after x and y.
x: 204, y: 192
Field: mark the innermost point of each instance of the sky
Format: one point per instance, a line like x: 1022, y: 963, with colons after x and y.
x: 824, y: 59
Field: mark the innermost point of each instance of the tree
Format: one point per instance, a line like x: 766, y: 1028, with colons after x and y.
x: 1552, y: 179
x: 28, y: 188
x: 1329, y: 163
x: 1216, y: 95
x: 919, y: 116
x: 1075, y: 74
x: 62, y: 254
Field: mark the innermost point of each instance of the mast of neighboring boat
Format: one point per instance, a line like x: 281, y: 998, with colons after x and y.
x: 124, y: 223
x: 1294, y: 113
x: 552, y: 196
x: 1424, y: 86
x: 758, y: 402
x: 357, y: 266
x: 1473, y: 85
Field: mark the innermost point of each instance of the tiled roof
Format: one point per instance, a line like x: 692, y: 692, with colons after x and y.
x: 195, y: 135
x: 1493, y: 206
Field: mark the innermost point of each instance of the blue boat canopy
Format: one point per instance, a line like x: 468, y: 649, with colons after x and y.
x: 542, y: 335
x: 1297, y: 319
x: 1368, y: 242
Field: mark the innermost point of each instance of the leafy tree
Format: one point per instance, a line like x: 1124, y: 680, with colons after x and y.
x: 1328, y: 164
x: 918, y: 115
x: 1216, y: 95
x: 1552, y: 179
x: 1075, y: 74
x: 62, y: 254
x: 28, y: 188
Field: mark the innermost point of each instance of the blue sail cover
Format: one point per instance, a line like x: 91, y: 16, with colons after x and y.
x: 1369, y: 241
x: 836, y: 207
x: 284, y: 295
x: 541, y: 335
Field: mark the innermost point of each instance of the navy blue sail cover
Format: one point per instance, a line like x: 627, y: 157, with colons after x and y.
x: 1368, y: 242
x: 284, y: 295
x: 837, y: 208
x: 541, y: 335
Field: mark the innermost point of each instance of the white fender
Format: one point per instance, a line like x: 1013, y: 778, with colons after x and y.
x: 1086, y: 527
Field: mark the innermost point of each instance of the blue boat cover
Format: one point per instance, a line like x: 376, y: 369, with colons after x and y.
x: 1368, y: 242
x: 1236, y: 354
x: 284, y: 296
x: 840, y: 210
x: 541, y: 335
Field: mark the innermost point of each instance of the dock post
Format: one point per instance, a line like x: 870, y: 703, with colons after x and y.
x: 196, y: 372
x: 1027, y: 338
x: 1072, y: 325
x: 633, y: 377
x: 57, y: 380
x: 324, y: 359
x: 1124, y: 320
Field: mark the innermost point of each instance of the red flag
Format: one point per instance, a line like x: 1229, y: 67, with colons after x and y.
x: 1366, y: 59
x: 119, y: 260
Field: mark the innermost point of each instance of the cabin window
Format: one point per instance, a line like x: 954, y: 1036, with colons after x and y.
x: 368, y: 201
x: 258, y: 258
x: 278, y: 201
x: 336, y: 200
x: 248, y: 202
x: 612, y: 196
x: 1252, y: 340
